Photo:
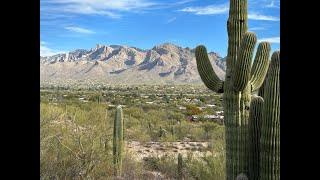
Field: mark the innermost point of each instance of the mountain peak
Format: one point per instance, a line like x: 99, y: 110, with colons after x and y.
x: 163, y: 63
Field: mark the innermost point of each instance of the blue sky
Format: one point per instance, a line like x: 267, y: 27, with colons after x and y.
x: 66, y: 25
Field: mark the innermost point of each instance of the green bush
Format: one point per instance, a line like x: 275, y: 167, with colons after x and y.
x: 76, y: 137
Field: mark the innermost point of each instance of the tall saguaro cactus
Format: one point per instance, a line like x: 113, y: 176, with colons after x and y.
x: 240, y: 81
x: 118, y: 144
x: 270, y: 129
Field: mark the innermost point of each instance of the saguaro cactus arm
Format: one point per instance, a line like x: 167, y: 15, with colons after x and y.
x: 255, y: 121
x: 243, y: 64
x: 207, y: 74
x: 270, y: 130
x: 260, y: 66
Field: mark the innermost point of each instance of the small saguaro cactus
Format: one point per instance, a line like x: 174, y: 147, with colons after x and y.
x: 180, y: 167
x: 270, y: 128
x: 241, y: 80
x: 255, y: 120
x: 118, y: 144
x: 173, y: 130
x: 162, y: 132
x: 149, y: 126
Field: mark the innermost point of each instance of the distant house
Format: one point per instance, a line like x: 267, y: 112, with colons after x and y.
x: 219, y: 112
x: 191, y: 118
x: 217, y: 118
x: 202, y: 108
x: 195, y: 100
x: 211, y: 105
x: 182, y: 108
x: 149, y: 102
x: 210, y: 116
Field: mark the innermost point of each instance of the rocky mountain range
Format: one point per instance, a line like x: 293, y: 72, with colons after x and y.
x: 163, y: 64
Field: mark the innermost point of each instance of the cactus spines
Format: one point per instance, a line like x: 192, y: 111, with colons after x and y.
x: 118, y: 144
x: 240, y: 81
x: 270, y: 129
x: 255, y: 120
x: 180, y: 167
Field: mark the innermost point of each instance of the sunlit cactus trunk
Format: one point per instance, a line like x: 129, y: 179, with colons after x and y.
x: 255, y: 122
x: 118, y: 143
x: 270, y: 128
x: 241, y: 80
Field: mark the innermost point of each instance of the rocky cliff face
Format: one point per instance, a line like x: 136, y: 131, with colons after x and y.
x: 165, y: 63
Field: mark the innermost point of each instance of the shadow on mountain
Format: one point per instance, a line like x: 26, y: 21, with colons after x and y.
x: 95, y: 63
x: 118, y: 71
x: 147, y: 66
x: 129, y: 62
x: 53, y: 74
x: 164, y: 74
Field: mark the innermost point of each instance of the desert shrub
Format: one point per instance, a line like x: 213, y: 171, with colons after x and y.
x: 71, y: 147
x: 183, y: 129
x: 206, y: 168
x: 196, y: 133
x: 209, y: 128
x: 76, y: 138
x: 131, y: 168
x: 165, y: 164
x: 192, y: 110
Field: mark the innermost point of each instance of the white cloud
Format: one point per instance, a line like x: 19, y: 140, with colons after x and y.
x: 171, y: 20
x: 223, y: 9
x: 79, y: 30
x: 109, y: 8
x: 46, y: 51
x: 183, y: 2
x: 257, y: 29
x: 167, y: 5
x: 207, y: 10
x: 255, y: 16
x: 273, y: 5
x: 89, y: 10
x: 275, y: 40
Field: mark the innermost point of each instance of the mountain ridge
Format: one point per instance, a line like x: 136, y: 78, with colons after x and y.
x: 165, y: 63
